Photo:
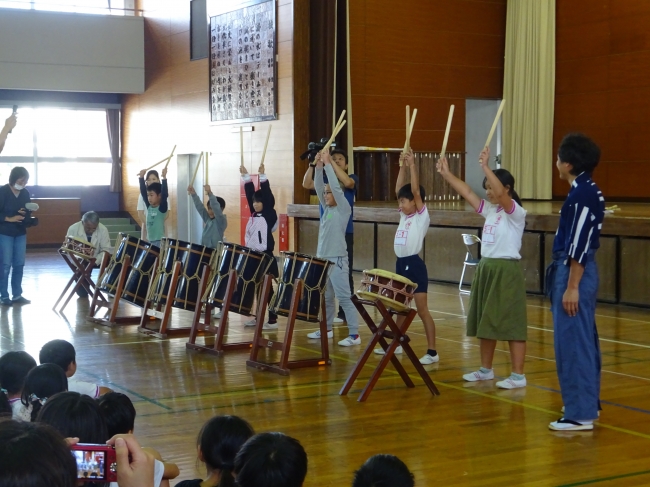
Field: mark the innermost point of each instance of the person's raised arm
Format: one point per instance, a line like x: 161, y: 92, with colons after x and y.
x: 319, y: 183
x: 409, y: 160
x: 308, y: 178
x: 10, y: 123
x: 203, y: 213
x: 401, y: 175
x: 265, y: 187
x: 497, y: 188
x: 461, y: 187
x: 165, y: 193
x: 143, y: 187
x: 214, y: 202
x: 249, y: 187
x: 343, y: 176
x: 335, y: 187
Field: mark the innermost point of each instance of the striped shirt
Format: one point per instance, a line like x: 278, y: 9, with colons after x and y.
x: 581, y: 220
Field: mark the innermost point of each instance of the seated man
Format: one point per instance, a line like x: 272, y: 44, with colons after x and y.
x: 96, y: 234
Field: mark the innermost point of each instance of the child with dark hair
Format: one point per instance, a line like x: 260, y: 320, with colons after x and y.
x: 33, y: 454
x: 260, y: 227
x: 214, y: 220
x: 409, y: 238
x: 271, y: 460
x: 497, y: 309
x: 151, y: 177
x: 217, y: 444
x: 42, y: 383
x: 14, y: 367
x: 155, y: 196
x: 572, y: 285
x: 119, y: 415
x: 383, y: 471
x: 63, y: 354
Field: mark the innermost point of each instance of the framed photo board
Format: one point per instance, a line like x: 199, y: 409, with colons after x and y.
x: 243, y: 68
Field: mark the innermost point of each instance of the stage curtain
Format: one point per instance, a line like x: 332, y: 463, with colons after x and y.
x: 529, y: 91
x: 114, y: 141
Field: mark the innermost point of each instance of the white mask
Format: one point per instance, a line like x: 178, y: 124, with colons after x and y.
x: 18, y: 187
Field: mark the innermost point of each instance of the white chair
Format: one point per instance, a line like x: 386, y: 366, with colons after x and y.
x: 471, y: 258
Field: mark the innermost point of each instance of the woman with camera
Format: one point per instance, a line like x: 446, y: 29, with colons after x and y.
x: 13, y: 235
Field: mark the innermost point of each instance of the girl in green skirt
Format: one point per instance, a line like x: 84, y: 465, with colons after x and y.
x: 497, y: 309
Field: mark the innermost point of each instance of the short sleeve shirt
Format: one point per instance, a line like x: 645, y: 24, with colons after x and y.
x: 141, y: 205
x: 502, y: 231
x: 81, y: 387
x: 410, y: 233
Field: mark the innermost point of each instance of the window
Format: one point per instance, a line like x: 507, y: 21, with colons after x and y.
x: 102, y: 7
x: 59, y: 147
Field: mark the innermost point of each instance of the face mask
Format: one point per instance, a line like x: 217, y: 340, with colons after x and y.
x: 18, y: 187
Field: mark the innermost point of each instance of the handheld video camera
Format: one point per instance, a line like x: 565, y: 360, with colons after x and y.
x: 314, y: 148
x: 95, y: 463
x: 30, y: 221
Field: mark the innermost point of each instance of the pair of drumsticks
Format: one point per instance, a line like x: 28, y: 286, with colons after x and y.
x: 241, y: 145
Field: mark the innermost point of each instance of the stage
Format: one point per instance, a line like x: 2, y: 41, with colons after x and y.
x: 623, y: 259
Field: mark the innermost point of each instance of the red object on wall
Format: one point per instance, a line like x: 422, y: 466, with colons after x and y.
x: 283, y: 226
x: 245, y: 212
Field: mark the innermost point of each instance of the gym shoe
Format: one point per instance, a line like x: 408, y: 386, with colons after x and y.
x: 380, y: 351
x: 269, y: 326
x: 6, y: 302
x: 563, y: 424
x: 478, y: 375
x: 21, y: 300
x: 316, y: 335
x: 251, y: 322
x: 348, y: 341
x: 511, y: 383
x: 428, y: 359
x: 339, y: 320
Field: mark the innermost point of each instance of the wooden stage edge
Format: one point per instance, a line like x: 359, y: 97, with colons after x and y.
x: 632, y: 220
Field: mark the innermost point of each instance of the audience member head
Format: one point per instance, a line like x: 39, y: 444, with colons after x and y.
x: 34, y: 455
x: 18, y: 177
x: 41, y: 384
x: 271, y: 460
x: 90, y: 222
x: 153, y: 193
x: 119, y: 413
x: 577, y: 154
x: 14, y: 367
x: 61, y: 353
x: 218, y: 443
x: 75, y: 415
x: 383, y: 471
x: 508, y: 182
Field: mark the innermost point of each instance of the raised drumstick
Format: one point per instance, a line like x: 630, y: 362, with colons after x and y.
x: 494, y: 124
x: 447, y: 130
x: 196, y: 169
x: 268, y: 135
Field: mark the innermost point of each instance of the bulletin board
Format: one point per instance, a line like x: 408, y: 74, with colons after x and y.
x: 243, y: 68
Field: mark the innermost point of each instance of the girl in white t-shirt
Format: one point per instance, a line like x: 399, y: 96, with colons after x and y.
x: 498, y: 298
x: 151, y: 177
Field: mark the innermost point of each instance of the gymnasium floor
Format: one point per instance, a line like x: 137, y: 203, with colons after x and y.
x: 471, y: 435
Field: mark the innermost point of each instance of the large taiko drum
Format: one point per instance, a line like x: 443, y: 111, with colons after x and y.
x: 393, y: 290
x: 192, y: 258
x: 141, y: 274
x: 314, y: 272
x: 125, y: 245
x: 78, y: 246
x: 251, y: 267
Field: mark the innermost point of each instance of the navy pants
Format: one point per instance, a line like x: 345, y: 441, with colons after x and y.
x: 577, y: 350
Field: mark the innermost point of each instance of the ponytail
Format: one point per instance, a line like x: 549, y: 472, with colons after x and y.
x: 515, y: 196
x: 227, y: 478
x: 36, y: 403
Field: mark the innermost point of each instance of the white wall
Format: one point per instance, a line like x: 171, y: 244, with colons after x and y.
x: 479, y: 116
x: 71, y: 52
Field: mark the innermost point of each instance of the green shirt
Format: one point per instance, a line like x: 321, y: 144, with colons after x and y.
x: 155, y: 224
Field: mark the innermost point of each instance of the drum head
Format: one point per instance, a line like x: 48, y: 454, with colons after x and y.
x: 390, y: 275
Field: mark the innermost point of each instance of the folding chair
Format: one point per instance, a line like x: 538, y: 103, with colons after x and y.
x: 471, y: 257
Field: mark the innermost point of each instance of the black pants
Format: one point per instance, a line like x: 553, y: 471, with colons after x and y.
x: 349, y: 241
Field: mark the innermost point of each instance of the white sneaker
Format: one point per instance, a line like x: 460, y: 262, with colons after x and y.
x: 511, y: 383
x: 216, y: 313
x: 380, y: 351
x: 316, y: 335
x: 349, y: 341
x: 269, y: 326
x: 338, y: 320
x: 428, y: 359
x: 251, y: 322
x: 478, y: 375
x: 563, y: 424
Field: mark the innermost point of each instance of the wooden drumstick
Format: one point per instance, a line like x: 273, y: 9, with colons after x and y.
x: 241, y: 145
x: 268, y: 135
x: 408, y: 142
x: 337, y: 129
x: 170, y: 157
x: 206, y: 168
x: 408, y: 125
x: 196, y: 169
x: 447, y: 130
x: 494, y: 124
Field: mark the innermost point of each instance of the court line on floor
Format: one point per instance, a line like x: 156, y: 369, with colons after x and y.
x: 607, y: 479
x: 117, y: 386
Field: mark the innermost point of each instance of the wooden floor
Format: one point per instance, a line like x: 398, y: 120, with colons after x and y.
x: 473, y: 434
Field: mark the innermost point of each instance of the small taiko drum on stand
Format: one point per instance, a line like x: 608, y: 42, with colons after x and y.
x: 300, y: 296
x: 233, y: 288
x: 80, y: 247
x: 395, y: 291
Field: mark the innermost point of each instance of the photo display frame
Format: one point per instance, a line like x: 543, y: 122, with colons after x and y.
x: 243, y: 67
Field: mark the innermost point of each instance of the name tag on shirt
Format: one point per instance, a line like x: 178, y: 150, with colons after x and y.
x: 401, y: 236
x: 489, y: 232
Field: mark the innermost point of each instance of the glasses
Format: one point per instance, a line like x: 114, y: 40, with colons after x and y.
x: 327, y: 192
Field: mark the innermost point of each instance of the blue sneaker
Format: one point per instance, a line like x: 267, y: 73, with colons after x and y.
x: 6, y: 302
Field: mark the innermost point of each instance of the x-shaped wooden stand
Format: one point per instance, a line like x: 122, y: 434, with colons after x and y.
x: 398, y: 336
x: 81, y: 276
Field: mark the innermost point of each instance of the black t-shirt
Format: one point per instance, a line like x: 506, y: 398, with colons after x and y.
x: 9, y: 206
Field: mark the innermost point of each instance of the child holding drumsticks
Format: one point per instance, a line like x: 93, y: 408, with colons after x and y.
x: 497, y: 309
x: 413, y: 226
